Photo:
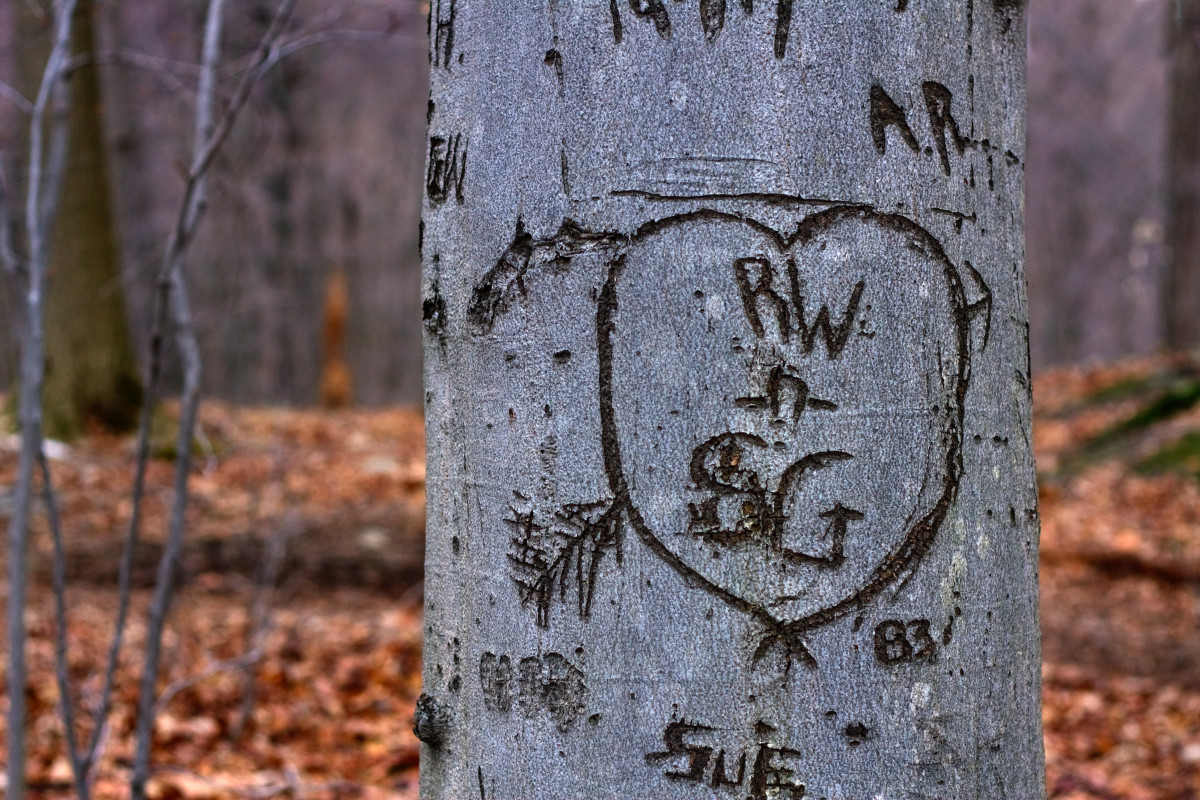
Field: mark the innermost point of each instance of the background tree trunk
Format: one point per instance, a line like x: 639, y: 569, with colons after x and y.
x: 91, y: 373
x: 730, y: 483
x: 1182, y: 286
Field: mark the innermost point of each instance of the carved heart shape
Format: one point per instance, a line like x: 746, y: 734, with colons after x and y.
x: 783, y: 414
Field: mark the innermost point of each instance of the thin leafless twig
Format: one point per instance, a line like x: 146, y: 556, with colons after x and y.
x: 209, y: 138
x: 293, y: 46
x: 61, y: 666
x: 38, y: 214
x: 165, y: 69
x: 213, y: 669
x: 261, y: 617
x: 125, y: 567
x: 16, y: 98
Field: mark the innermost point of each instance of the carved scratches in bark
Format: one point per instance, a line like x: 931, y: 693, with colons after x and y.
x: 753, y: 489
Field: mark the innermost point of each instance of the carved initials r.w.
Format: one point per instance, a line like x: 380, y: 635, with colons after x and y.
x: 765, y: 307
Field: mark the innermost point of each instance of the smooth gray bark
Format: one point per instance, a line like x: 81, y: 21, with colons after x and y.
x: 730, y: 484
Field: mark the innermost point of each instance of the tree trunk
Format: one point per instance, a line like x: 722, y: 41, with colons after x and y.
x: 91, y: 373
x: 1182, y: 286
x: 730, y: 484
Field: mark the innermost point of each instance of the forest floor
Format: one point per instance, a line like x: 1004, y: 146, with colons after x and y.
x: 330, y: 506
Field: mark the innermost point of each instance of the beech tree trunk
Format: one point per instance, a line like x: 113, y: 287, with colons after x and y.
x: 731, y: 491
x: 1181, y: 289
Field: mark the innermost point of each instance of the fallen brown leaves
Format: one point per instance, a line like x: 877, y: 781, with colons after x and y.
x: 325, y: 709
x: 330, y: 715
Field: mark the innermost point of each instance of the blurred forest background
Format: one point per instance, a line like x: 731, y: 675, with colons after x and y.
x: 326, y: 173
x: 292, y: 656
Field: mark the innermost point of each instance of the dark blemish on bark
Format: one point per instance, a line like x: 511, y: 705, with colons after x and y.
x: 431, y: 720
x: 884, y: 113
x: 441, y: 30
x: 565, y: 172
x: 433, y: 312
x: 560, y: 557
x: 983, y: 305
x: 948, y: 632
x: 654, y: 11
x: 748, y: 6
x: 562, y: 356
x: 835, y: 336
x: 677, y: 745
x: 856, y: 733
x: 768, y: 198
x: 958, y: 217
x: 721, y: 778
x: 456, y: 545
x: 618, y: 29
x: 901, y: 5
x: 970, y: 31
x: 554, y: 59
x: 429, y: 111
x: 783, y: 26
x: 447, y: 168
x: 938, y: 100
x: 897, y: 642
x: 501, y: 285
x: 1007, y: 10
x: 762, y: 273
x: 712, y: 17
x: 504, y: 283
x: 482, y: 793
x: 971, y: 106
x: 496, y: 679
x: 549, y: 684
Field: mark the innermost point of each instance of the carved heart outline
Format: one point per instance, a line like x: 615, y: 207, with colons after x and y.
x: 502, y: 286
x: 901, y: 560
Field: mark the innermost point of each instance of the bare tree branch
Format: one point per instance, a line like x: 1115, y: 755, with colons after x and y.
x: 213, y: 669
x: 56, y: 161
x: 167, y: 70
x: 61, y: 666
x: 32, y: 373
x: 209, y: 138
x: 261, y: 617
x: 222, y: 129
x: 16, y: 98
x: 128, y: 57
x: 293, y: 46
x: 125, y: 567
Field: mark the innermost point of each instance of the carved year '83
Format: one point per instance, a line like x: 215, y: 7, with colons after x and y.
x: 769, y: 429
